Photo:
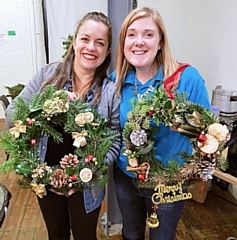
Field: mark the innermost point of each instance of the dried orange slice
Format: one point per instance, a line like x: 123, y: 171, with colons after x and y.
x: 210, y: 146
x: 88, y: 117
x: 218, y: 130
x: 86, y: 175
x: 78, y: 119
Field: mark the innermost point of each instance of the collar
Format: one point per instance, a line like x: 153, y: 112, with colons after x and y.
x: 130, y: 76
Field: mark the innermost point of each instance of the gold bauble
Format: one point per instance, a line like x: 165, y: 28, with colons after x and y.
x: 152, y: 221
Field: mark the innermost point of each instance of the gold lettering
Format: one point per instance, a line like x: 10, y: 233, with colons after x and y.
x: 175, y: 194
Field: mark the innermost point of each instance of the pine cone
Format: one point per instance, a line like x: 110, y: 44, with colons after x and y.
x: 69, y: 161
x: 58, y: 178
x: 205, y: 170
x: 139, y: 137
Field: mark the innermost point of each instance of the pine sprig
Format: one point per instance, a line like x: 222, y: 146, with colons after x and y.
x: 22, y: 109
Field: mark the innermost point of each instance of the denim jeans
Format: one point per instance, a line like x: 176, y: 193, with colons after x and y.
x: 135, y: 205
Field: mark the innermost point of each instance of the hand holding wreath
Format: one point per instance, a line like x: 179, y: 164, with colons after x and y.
x: 38, y: 119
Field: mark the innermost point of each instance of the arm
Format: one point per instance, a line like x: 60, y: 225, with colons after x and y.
x: 30, y: 89
x: 114, y: 104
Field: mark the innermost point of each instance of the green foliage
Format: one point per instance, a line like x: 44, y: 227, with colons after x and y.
x: 49, y: 114
x: 15, y: 90
x: 188, y: 118
x: 66, y: 44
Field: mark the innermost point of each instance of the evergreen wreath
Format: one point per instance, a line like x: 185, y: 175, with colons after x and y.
x: 172, y: 109
x: 39, y: 118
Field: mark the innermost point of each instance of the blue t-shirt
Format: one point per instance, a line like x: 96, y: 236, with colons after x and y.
x: 167, y: 142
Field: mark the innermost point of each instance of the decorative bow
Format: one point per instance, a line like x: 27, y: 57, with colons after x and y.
x: 80, y: 139
x: 19, y: 128
x: 38, y: 189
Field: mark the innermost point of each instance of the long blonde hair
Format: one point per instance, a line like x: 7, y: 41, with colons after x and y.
x: 163, y: 56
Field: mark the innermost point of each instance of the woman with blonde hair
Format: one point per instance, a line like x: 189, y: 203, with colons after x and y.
x: 144, y: 61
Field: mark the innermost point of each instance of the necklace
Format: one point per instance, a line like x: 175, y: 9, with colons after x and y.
x: 149, y: 89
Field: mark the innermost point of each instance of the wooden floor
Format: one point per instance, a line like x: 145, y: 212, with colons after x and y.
x: 215, y: 219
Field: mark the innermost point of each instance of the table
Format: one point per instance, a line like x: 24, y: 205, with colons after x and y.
x: 225, y: 176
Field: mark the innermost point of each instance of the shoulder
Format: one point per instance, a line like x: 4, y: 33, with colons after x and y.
x: 109, y: 92
x: 50, y: 68
x: 190, y: 71
x: 191, y: 76
x: 109, y: 85
x: 112, y: 76
x: 192, y: 83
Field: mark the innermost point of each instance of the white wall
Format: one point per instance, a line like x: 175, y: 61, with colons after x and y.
x: 203, y: 33
x: 22, y: 53
x: 61, y: 23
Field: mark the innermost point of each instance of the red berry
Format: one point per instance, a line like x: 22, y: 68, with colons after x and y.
x: 29, y: 122
x: 151, y: 112
x: 73, y: 177
x: 33, y: 141
x: 141, y: 177
x: 202, y: 137
x: 89, y: 158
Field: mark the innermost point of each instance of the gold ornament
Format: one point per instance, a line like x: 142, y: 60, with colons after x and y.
x: 80, y: 139
x: 19, y: 128
x: 152, y: 221
x: 38, y: 189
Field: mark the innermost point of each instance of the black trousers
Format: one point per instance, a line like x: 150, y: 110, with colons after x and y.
x: 62, y: 214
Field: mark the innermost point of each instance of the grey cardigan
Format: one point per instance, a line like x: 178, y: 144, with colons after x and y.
x: 108, y: 108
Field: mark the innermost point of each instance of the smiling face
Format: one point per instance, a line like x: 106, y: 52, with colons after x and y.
x: 141, y: 43
x: 91, y: 45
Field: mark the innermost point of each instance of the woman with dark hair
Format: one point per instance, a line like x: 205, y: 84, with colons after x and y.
x: 83, y: 73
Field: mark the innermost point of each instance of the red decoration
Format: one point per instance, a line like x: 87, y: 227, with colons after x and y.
x: 89, y: 158
x: 141, y: 176
x: 154, y: 207
x: 33, y: 141
x: 171, y: 80
x: 73, y: 177
x: 151, y: 112
x: 202, y: 138
x: 30, y: 121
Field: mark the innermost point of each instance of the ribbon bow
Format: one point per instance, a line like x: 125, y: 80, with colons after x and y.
x: 19, y: 128
x: 80, y: 139
x: 38, y: 189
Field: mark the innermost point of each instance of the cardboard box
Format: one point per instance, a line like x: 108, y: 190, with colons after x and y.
x: 199, y: 191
